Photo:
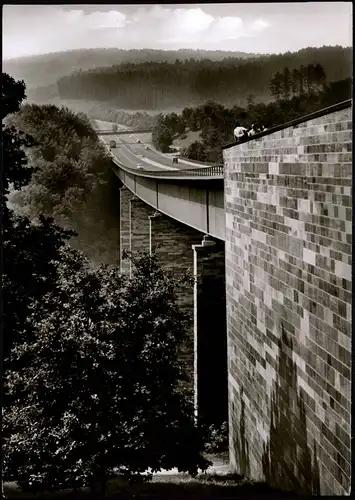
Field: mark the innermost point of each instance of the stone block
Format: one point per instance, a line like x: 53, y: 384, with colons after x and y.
x: 288, y: 269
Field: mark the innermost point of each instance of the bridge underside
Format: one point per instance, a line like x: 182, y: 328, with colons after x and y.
x: 198, y: 204
x: 180, y: 249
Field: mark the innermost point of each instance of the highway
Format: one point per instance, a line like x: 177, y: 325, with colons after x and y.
x: 154, y: 155
x: 126, y: 154
x: 130, y: 152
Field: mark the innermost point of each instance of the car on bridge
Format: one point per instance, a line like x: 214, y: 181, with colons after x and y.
x: 140, y: 166
x: 138, y: 141
x: 147, y: 147
x: 112, y: 144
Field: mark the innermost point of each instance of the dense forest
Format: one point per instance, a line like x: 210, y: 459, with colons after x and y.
x: 43, y: 70
x: 159, y: 85
x: 297, y: 93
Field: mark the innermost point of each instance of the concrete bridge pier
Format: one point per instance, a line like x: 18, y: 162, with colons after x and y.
x: 182, y: 249
x: 210, y: 332
x: 171, y: 241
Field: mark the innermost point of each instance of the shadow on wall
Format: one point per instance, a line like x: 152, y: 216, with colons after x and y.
x: 287, y: 459
x: 241, y: 445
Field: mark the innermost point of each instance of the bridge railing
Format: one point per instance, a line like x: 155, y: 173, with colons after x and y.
x: 215, y: 171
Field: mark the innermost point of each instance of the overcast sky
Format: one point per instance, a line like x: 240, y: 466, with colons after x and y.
x: 248, y: 27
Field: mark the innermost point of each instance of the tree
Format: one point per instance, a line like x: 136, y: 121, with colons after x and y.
x: 67, y: 162
x: 310, y: 80
x: 295, y: 82
x: 302, y: 80
x: 162, y: 137
x: 286, y: 83
x: 319, y: 76
x: 276, y: 85
x: 28, y: 248
x: 126, y: 411
x: 195, y: 151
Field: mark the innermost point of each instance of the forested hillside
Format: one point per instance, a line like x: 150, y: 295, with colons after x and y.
x: 159, y: 85
x: 215, y: 122
x: 44, y: 70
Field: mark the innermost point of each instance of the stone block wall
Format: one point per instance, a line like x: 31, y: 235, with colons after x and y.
x: 288, y: 205
x: 139, y: 213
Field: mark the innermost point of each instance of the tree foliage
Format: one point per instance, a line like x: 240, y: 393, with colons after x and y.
x: 97, y: 389
x: 306, y: 79
x: 28, y: 248
x: 68, y: 161
x: 162, y: 136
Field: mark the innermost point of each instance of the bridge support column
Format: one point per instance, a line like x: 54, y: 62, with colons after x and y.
x: 125, y: 196
x: 210, y: 332
x: 171, y: 241
x: 139, y: 213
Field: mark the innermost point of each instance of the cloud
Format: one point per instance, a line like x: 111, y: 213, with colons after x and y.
x: 259, y: 25
x: 35, y: 29
x: 55, y: 28
x: 192, y: 20
x: 190, y: 25
x: 228, y: 28
x: 96, y: 20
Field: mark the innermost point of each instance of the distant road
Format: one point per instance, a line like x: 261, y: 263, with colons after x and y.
x: 125, y: 154
x: 131, y: 152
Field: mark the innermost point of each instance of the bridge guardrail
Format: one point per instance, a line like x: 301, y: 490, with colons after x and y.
x: 215, y: 171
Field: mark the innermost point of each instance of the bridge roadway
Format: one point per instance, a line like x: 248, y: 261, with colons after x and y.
x: 150, y: 159
x: 192, y: 196
x: 190, y: 192
x: 131, y: 154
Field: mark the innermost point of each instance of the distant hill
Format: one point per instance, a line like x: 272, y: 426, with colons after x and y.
x: 160, y: 85
x: 103, y: 81
x: 44, y: 70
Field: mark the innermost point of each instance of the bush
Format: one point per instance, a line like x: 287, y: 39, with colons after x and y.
x: 217, y: 439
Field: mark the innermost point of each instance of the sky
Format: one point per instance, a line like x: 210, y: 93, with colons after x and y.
x: 247, y: 27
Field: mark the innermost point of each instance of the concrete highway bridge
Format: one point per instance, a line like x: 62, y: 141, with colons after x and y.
x: 268, y: 237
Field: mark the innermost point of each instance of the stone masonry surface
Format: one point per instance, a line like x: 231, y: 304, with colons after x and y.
x: 139, y: 225
x: 125, y: 196
x: 172, y: 242
x: 288, y: 206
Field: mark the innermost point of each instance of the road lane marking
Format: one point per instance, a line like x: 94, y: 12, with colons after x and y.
x: 135, y: 158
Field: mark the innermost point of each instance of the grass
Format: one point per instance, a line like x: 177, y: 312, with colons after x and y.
x: 230, y: 486
x: 212, y: 485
